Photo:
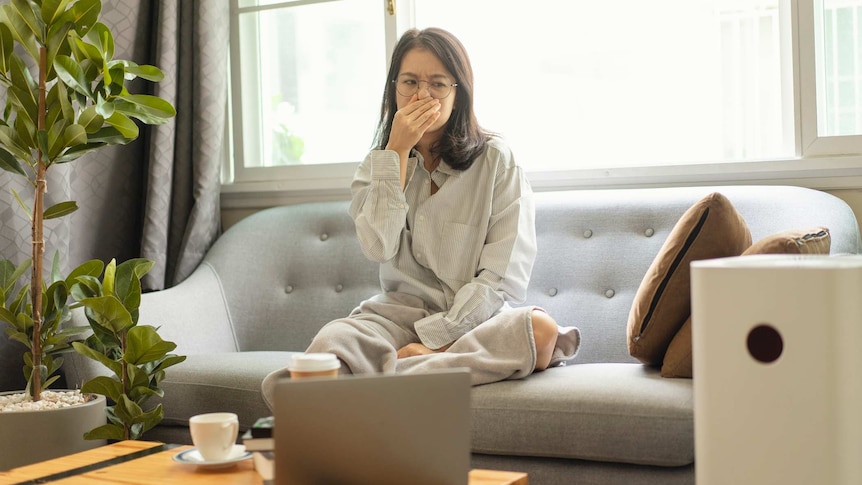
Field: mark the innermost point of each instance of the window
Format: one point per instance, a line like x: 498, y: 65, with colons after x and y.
x: 838, y: 47
x: 625, y: 91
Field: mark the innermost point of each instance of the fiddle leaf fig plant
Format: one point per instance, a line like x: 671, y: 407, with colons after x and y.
x: 135, y: 354
x: 63, y: 95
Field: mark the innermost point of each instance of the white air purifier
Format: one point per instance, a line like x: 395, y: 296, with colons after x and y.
x: 777, y: 364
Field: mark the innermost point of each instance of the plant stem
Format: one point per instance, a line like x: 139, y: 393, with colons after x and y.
x: 38, y: 236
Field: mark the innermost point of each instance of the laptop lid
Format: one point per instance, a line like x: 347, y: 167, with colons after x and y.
x: 374, y: 429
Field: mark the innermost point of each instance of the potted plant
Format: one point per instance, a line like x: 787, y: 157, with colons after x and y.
x: 65, y: 96
x: 135, y: 354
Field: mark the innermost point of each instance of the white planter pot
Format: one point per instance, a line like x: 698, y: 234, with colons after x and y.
x: 31, y: 436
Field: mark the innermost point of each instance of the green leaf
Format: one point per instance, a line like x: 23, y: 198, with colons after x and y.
x: 109, y: 135
x: 109, y: 278
x: 143, y: 344
x: 91, y: 120
x: 10, y: 274
x: 150, y: 73
x: 142, y: 393
x: 7, y: 46
x: 20, y: 337
x: 86, y: 351
x: 89, y: 51
x: 85, y: 15
x: 46, y: 384
x: 71, y: 332
x: 23, y: 92
x: 152, y: 110
x: 28, y: 16
x: 55, y: 268
x: 72, y: 75
x: 60, y: 210
x: 127, y: 128
x: 77, y: 152
x: 65, y: 104
x: 106, y: 432
x: 92, y: 268
x: 75, y: 135
x: 20, y: 30
x: 24, y: 128
x: 149, y: 420
x: 101, y: 36
x: 170, y: 361
x: 127, y: 284
x: 42, y: 138
x: 103, y: 107
x: 57, y: 43
x: 9, y: 163
x: 22, y: 204
x: 136, y: 376
x: 7, y: 316
x: 54, y: 108
x: 104, y: 385
x: 127, y: 410
x: 9, y: 141
x: 109, y: 312
x: 53, y: 9
x: 54, y: 143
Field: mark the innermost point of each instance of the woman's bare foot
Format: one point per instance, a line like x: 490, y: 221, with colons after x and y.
x: 545, y: 335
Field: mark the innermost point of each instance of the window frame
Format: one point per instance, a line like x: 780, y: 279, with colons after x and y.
x: 833, y: 162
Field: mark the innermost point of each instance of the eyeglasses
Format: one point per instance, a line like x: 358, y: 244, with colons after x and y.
x: 408, y: 86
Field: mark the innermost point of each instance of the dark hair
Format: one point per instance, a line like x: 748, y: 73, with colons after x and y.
x: 463, y: 139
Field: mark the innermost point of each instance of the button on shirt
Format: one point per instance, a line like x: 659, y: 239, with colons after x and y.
x: 465, y: 251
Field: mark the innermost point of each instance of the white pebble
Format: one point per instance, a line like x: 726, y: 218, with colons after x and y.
x: 10, y: 403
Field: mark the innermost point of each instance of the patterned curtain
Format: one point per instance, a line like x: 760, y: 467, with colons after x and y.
x: 157, y: 197
x: 182, y: 214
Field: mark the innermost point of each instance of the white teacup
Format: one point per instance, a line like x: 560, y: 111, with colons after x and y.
x: 214, y: 434
x: 315, y: 364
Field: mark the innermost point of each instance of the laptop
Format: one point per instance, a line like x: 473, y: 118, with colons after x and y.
x: 374, y: 429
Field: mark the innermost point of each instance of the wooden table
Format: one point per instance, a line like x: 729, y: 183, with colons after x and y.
x: 151, y: 463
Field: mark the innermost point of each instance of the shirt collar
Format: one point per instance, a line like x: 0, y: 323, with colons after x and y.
x: 443, y: 167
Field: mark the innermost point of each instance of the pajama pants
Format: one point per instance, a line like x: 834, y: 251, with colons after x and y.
x: 367, y: 341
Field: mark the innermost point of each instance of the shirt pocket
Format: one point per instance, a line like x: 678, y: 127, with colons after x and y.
x: 459, y: 252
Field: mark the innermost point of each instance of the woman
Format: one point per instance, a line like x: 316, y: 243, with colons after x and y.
x: 443, y: 208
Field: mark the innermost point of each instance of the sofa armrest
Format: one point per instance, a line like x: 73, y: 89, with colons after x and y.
x: 194, y: 314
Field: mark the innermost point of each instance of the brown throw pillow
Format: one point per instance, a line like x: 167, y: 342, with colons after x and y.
x: 816, y: 240
x: 711, y: 228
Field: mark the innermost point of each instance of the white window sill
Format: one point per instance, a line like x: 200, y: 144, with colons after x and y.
x: 827, y: 173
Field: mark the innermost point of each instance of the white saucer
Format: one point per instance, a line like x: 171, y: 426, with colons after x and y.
x: 193, y: 457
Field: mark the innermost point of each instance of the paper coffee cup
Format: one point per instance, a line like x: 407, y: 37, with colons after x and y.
x: 320, y: 364
x: 214, y: 434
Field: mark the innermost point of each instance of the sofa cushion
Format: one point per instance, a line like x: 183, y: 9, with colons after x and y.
x: 623, y: 413
x: 219, y: 382
x: 711, y: 228
x: 815, y: 240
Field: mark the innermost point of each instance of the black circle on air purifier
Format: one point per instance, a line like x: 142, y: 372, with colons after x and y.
x: 765, y: 343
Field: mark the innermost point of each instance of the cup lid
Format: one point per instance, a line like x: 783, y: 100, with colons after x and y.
x: 313, y: 362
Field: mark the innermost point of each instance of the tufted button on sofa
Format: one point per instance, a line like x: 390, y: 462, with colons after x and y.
x: 272, y: 280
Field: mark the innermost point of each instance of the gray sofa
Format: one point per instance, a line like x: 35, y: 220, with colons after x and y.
x: 271, y: 281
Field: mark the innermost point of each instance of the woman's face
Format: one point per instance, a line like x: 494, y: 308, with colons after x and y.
x: 423, y: 67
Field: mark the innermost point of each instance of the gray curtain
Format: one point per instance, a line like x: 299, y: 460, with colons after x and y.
x: 157, y: 197
x: 181, y: 218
